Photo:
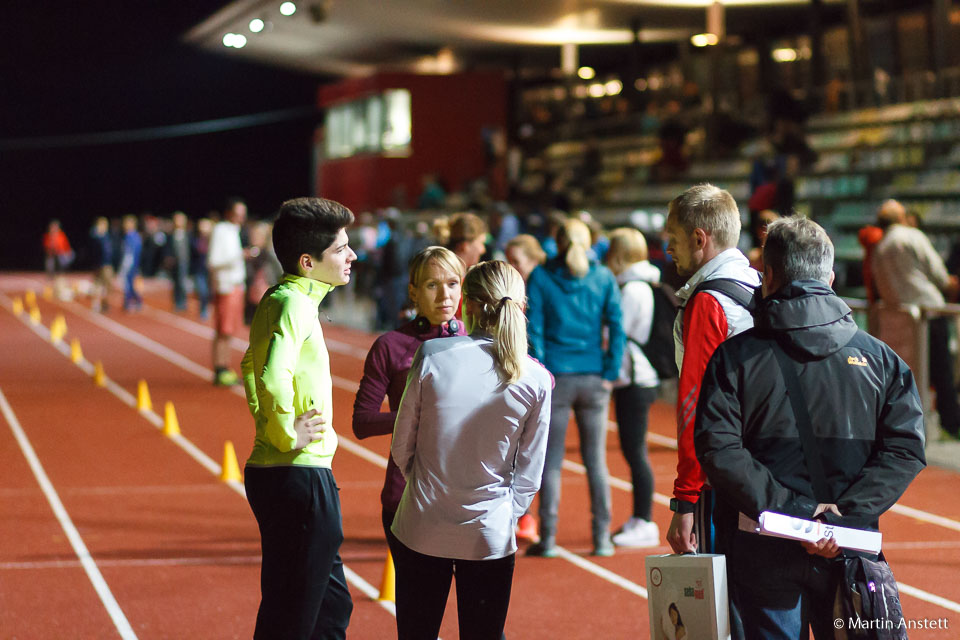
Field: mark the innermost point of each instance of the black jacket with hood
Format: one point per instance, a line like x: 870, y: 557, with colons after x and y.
x: 861, y: 397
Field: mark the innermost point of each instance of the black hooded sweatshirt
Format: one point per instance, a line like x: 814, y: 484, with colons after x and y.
x: 861, y: 397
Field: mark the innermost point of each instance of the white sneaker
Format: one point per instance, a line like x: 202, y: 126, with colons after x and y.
x: 637, y: 532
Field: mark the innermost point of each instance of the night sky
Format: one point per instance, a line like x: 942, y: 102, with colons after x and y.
x: 86, y: 67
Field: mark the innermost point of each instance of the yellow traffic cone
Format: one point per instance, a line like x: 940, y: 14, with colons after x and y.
x: 231, y: 470
x: 143, y: 397
x: 171, y: 427
x: 76, y: 353
x: 58, y: 328
x: 47, y: 293
x: 30, y: 297
x: 99, y: 377
x: 34, y: 315
x: 17, y: 306
x: 388, y: 584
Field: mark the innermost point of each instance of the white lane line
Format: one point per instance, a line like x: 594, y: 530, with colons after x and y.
x: 135, y: 562
x: 926, y: 596
x: 600, y: 572
x: 570, y: 465
x: 140, y: 340
x: 368, y: 590
x: 157, y: 421
x: 925, y: 516
x: 79, y: 548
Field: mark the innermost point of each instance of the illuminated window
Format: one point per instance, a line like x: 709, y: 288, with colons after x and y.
x: 375, y: 124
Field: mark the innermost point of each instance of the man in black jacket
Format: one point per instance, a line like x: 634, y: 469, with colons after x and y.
x: 866, y: 420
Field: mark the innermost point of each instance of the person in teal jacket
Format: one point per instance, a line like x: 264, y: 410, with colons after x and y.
x: 571, y: 301
x: 288, y: 477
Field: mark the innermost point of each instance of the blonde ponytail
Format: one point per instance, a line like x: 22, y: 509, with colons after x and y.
x: 499, y: 290
x: 577, y: 237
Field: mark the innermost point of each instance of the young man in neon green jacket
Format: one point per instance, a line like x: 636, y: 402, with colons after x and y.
x: 289, y: 482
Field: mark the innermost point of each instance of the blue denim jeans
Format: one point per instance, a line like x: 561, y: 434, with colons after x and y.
x: 780, y: 590
x: 589, y: 400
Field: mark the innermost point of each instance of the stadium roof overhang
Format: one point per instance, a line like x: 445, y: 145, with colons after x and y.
x: 359, y: 37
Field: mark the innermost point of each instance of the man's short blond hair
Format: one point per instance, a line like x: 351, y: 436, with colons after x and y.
x: 710, y: 208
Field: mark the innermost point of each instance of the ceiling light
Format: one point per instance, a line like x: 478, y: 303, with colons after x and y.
x: 640, y: 84
x: 235, y: 40
x: 613, y: 87
x: 704, y: 39
x: 256, y: 25
x: 596, y: 90
x: 586, y: 73
x: 784, y: 55
x: 288, y: 8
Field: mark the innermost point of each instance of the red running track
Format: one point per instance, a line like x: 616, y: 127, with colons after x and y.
x: 146, y: 541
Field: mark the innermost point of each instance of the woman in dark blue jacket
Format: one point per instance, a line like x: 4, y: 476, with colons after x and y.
x: 571, y: 301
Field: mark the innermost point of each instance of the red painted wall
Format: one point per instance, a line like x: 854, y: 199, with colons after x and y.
x: 448, y: 116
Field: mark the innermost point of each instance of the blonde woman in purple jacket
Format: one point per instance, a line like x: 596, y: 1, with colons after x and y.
x: 436, y: 274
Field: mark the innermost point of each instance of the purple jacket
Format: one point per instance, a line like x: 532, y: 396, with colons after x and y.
x: 385, y: 375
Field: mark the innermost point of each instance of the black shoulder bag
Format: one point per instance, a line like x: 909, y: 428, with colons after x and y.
x: 867, y: 599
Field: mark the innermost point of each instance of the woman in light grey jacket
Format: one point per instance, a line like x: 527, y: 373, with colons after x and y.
x: 470, y: 440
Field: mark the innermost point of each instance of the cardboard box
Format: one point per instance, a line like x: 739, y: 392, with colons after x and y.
x: 689, y: 592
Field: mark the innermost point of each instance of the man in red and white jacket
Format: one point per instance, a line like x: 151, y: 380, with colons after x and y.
x: 703, y: 227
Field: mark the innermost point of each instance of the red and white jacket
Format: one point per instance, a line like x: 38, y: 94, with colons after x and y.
x: 706, y: 321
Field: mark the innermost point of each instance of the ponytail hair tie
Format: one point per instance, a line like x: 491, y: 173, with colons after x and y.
x: 502, y: 302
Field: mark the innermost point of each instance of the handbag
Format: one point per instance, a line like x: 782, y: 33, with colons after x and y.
x: 867, y: 600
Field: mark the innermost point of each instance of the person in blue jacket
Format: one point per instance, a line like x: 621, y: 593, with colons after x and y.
x: 130, y: 264
x: 571, y: 301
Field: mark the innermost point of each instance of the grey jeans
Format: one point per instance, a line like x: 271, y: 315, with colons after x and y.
x: 590, y: 401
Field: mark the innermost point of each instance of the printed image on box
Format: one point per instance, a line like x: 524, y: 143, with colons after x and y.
x: 687, y: 597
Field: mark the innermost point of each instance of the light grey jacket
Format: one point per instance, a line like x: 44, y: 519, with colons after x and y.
x: 907, y: 269
x: 470, y: 448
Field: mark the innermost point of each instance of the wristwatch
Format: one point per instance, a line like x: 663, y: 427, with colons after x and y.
x: 682, y: 506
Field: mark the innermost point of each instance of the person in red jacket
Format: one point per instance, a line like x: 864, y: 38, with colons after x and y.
x: 703, y: 228
x: 58, y: 256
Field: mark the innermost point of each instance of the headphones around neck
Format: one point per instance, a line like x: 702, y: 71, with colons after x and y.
x: 446, y: 329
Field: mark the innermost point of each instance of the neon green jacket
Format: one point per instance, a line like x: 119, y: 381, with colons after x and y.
x: 286, y: 372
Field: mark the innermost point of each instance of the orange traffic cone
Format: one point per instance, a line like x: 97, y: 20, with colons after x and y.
x: 171, y: 427
x: 143, y: 397
x: 47, y: 293
x: 231, y: 470
x: 35, y: 315
x: 388, y: 584
x: 17, y: 306
x: 30, y: 297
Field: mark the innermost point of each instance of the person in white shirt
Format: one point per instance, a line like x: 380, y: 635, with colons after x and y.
x: 636, y: 388
x: 228, y: 273
x: 470, y: 439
